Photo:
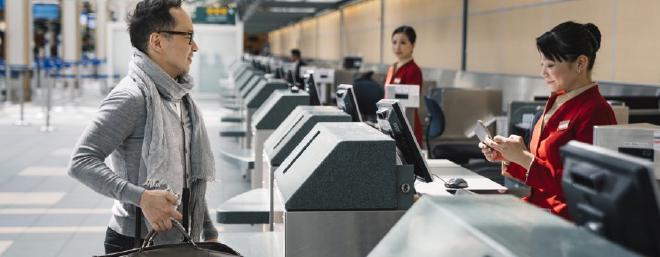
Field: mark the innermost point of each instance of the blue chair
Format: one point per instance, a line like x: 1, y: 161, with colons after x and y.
x: 435, y: 122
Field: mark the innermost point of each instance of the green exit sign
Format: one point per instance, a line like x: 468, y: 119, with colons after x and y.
x: 214, y: 15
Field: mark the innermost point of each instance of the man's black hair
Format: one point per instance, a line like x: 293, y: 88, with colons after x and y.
x: 295, y: 52
x: 148, y: 17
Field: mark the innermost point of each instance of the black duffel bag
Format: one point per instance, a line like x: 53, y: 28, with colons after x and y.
x: 187, y: 248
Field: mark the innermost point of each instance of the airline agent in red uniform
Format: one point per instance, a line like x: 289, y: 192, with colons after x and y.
x: 575, y: 106
x: 405, y: 70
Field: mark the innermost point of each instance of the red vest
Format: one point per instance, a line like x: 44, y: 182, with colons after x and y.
x: 411, y: 74
x: 573, y: 120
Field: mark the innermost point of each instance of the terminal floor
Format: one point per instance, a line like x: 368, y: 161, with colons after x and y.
x: 45, y: 213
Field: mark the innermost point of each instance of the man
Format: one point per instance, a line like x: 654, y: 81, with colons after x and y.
x: 154, y: 134
x: 297, y: 59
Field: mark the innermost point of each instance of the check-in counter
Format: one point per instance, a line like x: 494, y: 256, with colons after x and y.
x: 240, y: 152
x: 340, y: 190
x: 289, y: 135
x: 493, y: 225
x: 640, y: 140
x: 252, y: 207
x: 255, y: 206
x: 255, y: 99
x: 266, y: 119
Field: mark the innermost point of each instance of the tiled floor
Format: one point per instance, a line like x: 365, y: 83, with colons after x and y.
x: 45, y: 213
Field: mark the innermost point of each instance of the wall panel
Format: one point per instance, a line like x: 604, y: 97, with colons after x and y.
x: 502, y: 40
x: 438, y: 25
x: 361, y: 25
x: 636, y: 46
x: 329, y: 36
x: 501, y: 34
x: 308, y: 38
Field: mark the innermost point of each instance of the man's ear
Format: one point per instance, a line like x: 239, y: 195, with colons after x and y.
x: 155, y: 42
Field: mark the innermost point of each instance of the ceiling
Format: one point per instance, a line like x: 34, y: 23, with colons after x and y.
x: 267, y: 15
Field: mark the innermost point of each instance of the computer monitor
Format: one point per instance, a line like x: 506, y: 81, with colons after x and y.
x: 522, y: 115
x: 347, y: 102
x: 612, y: 194
x: 289, y: 77
x: 393, y: 122
x: 313, y: 92
x: 279, y: 73
x: 352, y: 62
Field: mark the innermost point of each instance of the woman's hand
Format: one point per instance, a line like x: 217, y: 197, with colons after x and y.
x: 511, y: 149
x: 490, y: 154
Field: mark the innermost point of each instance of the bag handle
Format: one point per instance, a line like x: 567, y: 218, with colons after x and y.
x: 149, y: 239
x: 138, y: 227
x: 186, y: 221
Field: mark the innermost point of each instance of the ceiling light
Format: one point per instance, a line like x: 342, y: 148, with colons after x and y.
x: 292, y: 9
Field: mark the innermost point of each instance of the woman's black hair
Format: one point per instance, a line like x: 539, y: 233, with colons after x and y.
x: 409, y: 31
x: 569, y: 40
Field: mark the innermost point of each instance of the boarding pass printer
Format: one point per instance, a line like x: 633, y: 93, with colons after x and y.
x: 640, y: 140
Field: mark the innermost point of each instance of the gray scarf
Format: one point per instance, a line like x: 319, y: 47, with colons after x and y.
x: 157, y: 86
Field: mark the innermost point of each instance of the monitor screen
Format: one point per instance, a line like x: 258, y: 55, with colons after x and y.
x: 279, y: 73
x: 289, y: 77
x: 347, y: 102
x: 310, y: 86
x: 612, y: 194
x: 352, y: 62
x: 393, y: 122
x: 522, y: 116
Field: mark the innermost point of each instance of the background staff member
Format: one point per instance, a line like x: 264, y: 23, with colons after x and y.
x: 405, y: 70
x: 575, y: 106
x: 296, y: 57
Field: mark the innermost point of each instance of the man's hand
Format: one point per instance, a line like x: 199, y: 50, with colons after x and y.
x: 158, y: 207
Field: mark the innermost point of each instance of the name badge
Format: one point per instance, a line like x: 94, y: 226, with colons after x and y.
x: 563, y: 125
x: 397, y: 80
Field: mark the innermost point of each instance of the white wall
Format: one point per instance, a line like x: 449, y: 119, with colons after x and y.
x: 219, y: 45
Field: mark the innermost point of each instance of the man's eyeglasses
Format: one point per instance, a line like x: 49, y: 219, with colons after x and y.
x: 188, y: 35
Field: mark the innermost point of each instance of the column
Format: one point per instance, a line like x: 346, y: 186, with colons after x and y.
x: 101, y: 23
x: 71, y: 41
x: 18, y: 43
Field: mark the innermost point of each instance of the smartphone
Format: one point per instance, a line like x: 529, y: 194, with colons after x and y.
x: 481, y: 131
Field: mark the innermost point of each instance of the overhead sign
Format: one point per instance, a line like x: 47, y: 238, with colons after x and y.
x: 46, y: 12
x: 214, y: 15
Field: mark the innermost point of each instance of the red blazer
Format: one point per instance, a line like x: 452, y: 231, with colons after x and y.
x: 578, y: 117
x: 409, y: 73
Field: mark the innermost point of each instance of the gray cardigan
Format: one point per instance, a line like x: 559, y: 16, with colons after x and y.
x: 117, y: 131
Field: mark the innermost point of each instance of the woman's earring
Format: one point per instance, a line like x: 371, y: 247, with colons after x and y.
x: 578, y: 70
